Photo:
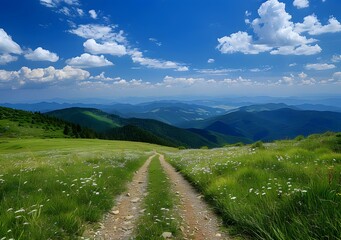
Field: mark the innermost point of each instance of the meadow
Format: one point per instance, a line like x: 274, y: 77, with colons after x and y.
x: 284, y: 190
x: 54, y: 188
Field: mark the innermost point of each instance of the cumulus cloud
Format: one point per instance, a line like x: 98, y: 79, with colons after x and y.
x: 275, y: 32
x: 336, y: 58
x: 240, y: 42
x: 97, y: 31
x: 26, y: 77
x: 319, y: 66
x: 93, y: 14
x: 111, y: 48
x: 41, y: 54
x: 301, y: 3
x: 138, y: 57
x: 7, y: 58
x: 337, y: 77
x: 7, y: 45
x: 211, y: 60
x: 169, y: 81
x: 300, y: 50
x: 314, y: 27
x: 89, y: 61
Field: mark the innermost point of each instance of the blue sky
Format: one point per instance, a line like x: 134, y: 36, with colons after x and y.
x: 122, y: 48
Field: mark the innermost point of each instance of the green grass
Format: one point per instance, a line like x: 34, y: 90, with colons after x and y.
x: 103, y: 119
x: 159, y: 204
x: 284, y: 190
x: 52, y: 188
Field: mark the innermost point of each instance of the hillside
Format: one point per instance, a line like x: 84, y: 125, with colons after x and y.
x: 271, y: 125
x: 23, y: 124
x: 145, y: 130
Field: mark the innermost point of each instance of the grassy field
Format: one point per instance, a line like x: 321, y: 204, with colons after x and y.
x: 159, y: 215
x: 283, y: 190
x: 52, y: 188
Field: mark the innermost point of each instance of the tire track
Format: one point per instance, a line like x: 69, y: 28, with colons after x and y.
x: 199, y: 220
x: 119, y: 223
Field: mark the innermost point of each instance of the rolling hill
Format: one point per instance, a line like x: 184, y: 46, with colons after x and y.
x: 146, y: 130
x: 24, y: 124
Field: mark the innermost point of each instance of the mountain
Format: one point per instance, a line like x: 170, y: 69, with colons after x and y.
x: 271, y: 125
x: 114, y: 127
x: 24, y: 124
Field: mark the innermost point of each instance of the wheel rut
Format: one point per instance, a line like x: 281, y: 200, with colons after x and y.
x: 199, y: 221
x: 119, y: 223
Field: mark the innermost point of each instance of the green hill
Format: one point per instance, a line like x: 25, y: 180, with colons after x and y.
x: 145, y: 130
x: 23, y: 124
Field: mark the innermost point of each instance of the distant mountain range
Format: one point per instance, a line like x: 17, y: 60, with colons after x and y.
x: 173, y: 112
x: 191, y: 125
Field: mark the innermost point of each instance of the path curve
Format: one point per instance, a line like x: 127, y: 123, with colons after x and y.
x: 199, y: 220
x: 119, y: 223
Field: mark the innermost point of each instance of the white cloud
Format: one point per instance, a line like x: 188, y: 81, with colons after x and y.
x: 112, y: 48
x: 336, y: 58
x: 211, y: 60
x: 275, y: 33
x: 337, y: 77
x: 170, y: 81
x: 302, y: 75
x: 218, y: 71
x: 154, y: 40
x: 7, y: 58
x: 240, y: 42
x: 7, y: 45
x: 97, y: 31
x: 301, y: 3
x: 300, y: 50
x: 314, y: 27
x: 93, y: 14
x: 88, y: 61
x: 26, y: 77
x: 138, y: 57
x: 80, y: 12
x: 287, y: 80
x: 56, y: 3
x: 292, y: 64
x: 41, y: 54
x: 319, y: 66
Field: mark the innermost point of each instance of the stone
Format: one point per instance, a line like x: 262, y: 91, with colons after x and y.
x: 115, y: 212
x: 218, y: 235
x: 135, y: 200
x: 166, y: 235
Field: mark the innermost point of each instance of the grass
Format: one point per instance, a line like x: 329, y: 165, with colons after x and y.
x: 284, y: 190
x: 52, y: 188
x: 159, y: 205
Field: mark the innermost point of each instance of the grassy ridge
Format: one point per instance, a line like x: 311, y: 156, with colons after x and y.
x: 49, y: 189
x: 159, y: 206
x: 283, y: 190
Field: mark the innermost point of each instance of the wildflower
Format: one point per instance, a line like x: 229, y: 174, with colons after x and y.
x: 20, y: 210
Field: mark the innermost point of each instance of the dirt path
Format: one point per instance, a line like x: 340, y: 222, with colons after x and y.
x: 120, y: 221
x: 199, y: 221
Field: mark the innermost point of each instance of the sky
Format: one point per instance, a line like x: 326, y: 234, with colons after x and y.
x: 110, y: 49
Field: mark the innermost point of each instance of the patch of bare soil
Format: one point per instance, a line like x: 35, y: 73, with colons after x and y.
x: 199, y: 222
x: 119, y: 223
